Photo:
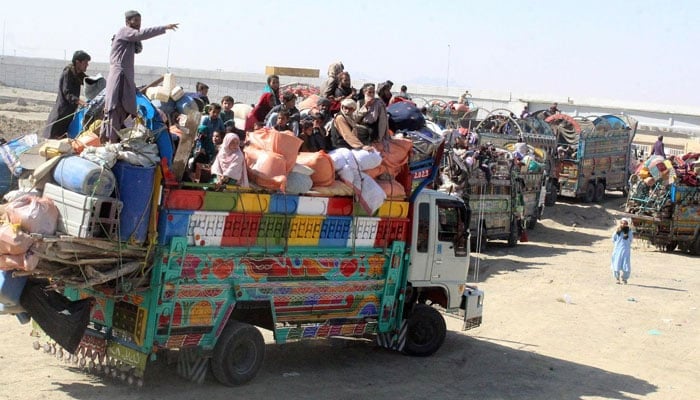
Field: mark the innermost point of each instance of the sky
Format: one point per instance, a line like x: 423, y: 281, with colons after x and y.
x: 639, y: 51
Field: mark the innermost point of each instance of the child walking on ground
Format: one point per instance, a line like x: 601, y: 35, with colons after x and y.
x: 622, y: 243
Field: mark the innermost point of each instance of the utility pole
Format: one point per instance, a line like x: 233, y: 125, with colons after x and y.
x: 447, y: 79
x: 4, y: 29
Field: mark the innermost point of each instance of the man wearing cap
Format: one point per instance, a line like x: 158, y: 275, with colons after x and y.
x: 68, y: 98
x: 120, y: 100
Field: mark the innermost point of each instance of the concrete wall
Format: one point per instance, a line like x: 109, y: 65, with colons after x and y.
x: 42, y: 74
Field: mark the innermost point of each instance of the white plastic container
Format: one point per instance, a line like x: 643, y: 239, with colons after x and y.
x: 176, y: 93
x: 84, y: 216
x: 169, y: 81
x: 159, y: 93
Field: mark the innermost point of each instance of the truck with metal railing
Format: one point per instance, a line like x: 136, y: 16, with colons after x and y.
x: 665, y: 212
x: 506, y: 195
x: 593, y: 155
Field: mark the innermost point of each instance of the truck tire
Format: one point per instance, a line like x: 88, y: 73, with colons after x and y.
x: 589, y: 196
x: 238, y: 354
x: 695, y: 247
x: 514, y: 233
x: 670, y: 246
x: 426, y: 331
x: 532, y: 221
x: 550, y: 196
x: 599, y: 192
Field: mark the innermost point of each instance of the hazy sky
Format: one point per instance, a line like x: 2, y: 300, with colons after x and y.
x: 641, y: 51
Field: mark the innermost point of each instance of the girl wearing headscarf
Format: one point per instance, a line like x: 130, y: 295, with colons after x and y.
x: 622, y: 243
x: 229, y: 165
x: 273, y: 86
x: 260, y: 111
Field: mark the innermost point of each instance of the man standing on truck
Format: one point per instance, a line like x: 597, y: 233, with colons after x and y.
x: 658, y: 149
x: 120, y: 100
x: 68, y: 98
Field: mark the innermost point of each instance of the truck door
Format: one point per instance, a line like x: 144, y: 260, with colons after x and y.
x: 421, y: 256
x: 451, y: 245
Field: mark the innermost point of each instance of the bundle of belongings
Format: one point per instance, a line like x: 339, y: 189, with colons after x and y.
x: 659, y: 183
x: 275, y: 163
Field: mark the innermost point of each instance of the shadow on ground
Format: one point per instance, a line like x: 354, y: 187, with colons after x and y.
x: 465, y: 367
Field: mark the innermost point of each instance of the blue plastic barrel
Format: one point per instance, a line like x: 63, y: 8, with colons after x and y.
x: 157, y: 127
x: 187, y: 104
x: 76, y: 124
x: 134, y: 189
x: 84, y: 176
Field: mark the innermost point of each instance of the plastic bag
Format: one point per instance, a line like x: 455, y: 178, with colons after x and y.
x: 34, y: 214
x: 367, y: 159
x: 298, y: 183
x: 13, y: 240
x: 25, y: 262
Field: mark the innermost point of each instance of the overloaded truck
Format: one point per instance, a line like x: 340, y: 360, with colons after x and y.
x: 593, y: 155
x: 664, y: 203
x: 505, y: 194
x: 199, y: 269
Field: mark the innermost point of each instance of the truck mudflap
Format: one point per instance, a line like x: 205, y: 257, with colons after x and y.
x: 394, y: 340
x: 473, y: 301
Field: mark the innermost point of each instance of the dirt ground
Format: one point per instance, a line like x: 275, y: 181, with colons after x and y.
x: 556, y: 326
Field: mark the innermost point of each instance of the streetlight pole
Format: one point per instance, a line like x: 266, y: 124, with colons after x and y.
x: 447, y: 79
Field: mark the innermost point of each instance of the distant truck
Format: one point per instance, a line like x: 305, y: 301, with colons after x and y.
x: 513, y: 198
x: 668, y: 216
x: 593, y: 155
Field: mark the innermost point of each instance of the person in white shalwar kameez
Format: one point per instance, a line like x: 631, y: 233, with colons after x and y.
x: 622, y: 244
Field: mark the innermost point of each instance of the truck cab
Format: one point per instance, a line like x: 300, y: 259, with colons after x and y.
x: 439, y: 250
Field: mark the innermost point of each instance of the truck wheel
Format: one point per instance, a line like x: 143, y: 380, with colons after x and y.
x: 695, y: 247
x: 669, y: 247
x: 590, y: 193
x: 532, y: 221
x: 599, y: 192
x: 238, y: 354
x: 550, y: 196
x: 514, y: 233
x: 426, y: 331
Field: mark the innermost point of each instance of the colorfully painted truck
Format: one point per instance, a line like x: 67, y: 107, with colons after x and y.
x: 666, y: 215
x: 227, y: 264
x: 593, y: 155
x: 513, y: 198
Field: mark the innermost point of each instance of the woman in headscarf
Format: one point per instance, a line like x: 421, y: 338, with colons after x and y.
x: 622, y: 244
x: 229, y: 165
x: 258, y: 114
x: 372, y: 117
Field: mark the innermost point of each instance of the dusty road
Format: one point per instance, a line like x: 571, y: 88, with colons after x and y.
x: 556, y: 326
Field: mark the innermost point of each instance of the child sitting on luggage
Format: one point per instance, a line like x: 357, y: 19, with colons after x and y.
x: 229, y: 165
